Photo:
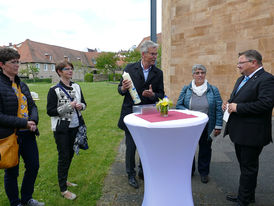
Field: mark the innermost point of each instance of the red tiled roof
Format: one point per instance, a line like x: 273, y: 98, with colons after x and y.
x: 159, y: 40
x: 37, y: 52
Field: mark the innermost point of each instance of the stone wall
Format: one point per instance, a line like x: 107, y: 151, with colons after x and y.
x: 212, y: 33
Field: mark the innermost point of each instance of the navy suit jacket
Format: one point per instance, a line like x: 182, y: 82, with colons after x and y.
x: 251, y: 124
x: 155, y: 78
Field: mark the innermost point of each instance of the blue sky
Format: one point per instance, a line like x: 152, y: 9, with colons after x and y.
x: 108, y: 25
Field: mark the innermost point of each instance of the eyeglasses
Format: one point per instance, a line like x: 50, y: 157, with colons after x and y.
x: 197, y: 73
x: 153, y: 54
x: 67, y: 69
x: 14, y: 62
x: 240, y: 63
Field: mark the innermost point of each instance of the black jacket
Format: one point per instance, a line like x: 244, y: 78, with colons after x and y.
x: 9, y: 106
x: 155, y: 78
x: 251, y: 124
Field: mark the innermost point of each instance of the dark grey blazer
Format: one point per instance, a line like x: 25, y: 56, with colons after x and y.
x: 155, y: 78
x: 251, y: 124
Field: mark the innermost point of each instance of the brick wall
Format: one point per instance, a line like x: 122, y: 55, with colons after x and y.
x: 212, y: 33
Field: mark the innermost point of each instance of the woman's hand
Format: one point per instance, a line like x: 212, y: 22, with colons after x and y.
x: 217, y: 132
x: 79, y: 106
x: 73, y: 104
x: 224, y: 106
x: 31, y: 125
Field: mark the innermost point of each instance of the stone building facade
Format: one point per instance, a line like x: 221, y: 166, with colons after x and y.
x: 212, y: 33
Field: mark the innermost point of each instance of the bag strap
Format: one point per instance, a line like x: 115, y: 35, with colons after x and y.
x: 65, y: 91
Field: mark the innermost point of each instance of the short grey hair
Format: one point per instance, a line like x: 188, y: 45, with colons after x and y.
x: 146, y: 45
x: 198, y: 66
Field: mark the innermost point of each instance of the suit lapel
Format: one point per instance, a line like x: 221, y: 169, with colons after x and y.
x: 139, y: 72
x: 247, y: 84
x: 151, y: 74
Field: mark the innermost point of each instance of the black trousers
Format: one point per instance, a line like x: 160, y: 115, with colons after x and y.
x: 204, y: 154
x: 248, y: 158
x: 64, y: 140
x: 28, y: 150
x: 130, y: 155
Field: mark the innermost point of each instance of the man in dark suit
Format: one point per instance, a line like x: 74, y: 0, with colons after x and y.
x: 249, y: 124
x: 148, y: 81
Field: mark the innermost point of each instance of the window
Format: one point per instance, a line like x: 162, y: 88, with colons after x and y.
x: 37, y: 66
x: 53, y: 67
x: 93, y: 60
x: 45, y: 67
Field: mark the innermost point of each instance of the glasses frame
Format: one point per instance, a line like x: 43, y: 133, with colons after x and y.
x: 67, y: 69
x: 198, y: 73
x: 241, y: 63
x: 14, y: 62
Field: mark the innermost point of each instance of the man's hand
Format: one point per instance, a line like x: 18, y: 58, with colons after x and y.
x: 126, y: 84
x: 232, y: 107
x: 149, y: 92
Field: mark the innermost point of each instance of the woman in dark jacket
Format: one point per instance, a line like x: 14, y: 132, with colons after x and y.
x: 19, y: 113
x: 65, y: 113
x: 199, y: 95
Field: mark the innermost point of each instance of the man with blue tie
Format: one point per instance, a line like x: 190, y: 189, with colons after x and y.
x: 249, y: 124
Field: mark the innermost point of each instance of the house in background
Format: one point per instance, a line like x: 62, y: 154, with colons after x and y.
x: 44, y: 57
x: 159, y: 40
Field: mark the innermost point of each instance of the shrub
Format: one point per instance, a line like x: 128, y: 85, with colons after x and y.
x: 117, y: 77
x: 88, y: 77
x: 37, y: 80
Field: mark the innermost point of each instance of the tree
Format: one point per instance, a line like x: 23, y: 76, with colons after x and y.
x: 29, y: 71
x: 135, y: 55
x: 159, y: 57
x: 107, y: 62
x: 132, y: 56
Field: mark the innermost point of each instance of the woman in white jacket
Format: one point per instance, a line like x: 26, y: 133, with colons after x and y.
x: 64, y: 105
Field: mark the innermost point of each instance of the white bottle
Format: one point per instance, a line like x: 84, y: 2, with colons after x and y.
x: 132, y: 90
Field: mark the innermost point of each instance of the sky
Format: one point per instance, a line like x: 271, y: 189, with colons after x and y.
x: 107, y: 25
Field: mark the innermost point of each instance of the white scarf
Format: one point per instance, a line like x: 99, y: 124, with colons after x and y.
x: 199, y: 90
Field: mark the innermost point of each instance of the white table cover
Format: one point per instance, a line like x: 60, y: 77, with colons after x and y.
x: 166, y: 150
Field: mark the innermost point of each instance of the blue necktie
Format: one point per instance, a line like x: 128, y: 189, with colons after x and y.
x: 243, y: 83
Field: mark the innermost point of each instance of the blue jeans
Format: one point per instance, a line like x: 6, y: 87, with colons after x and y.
x: 29, y: 152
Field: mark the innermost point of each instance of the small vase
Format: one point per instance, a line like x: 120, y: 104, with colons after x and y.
x: 164, y: 111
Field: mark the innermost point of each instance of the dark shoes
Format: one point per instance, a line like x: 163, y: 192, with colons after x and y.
x: 141, y: 174
x: 234, y: 198
x: 204, y: 179
x: 133, y: 182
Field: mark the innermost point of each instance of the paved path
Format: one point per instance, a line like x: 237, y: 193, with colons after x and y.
x: 224, y: 175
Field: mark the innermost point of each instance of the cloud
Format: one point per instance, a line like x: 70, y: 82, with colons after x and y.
x: 107, y: 25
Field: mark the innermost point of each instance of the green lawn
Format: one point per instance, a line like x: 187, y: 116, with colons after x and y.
x: 89, y: 168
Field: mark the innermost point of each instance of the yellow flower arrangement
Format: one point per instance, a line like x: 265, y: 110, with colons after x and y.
x: 163, y: 105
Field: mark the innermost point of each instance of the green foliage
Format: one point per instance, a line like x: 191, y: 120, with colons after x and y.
x: 30, y: 70
x: 88, y: 77
x: 132, y: 56
x: 107, y: 62
x: 159, y: 57
x: 89, y: 168
x: 37, y: 80
x: 117, y: 77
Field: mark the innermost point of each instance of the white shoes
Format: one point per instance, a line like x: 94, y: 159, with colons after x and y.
x: 68, y: 195
x: 70, y: 184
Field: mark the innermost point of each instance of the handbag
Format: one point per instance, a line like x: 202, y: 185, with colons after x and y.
x: 9, y: 151
x: 81, y: 139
